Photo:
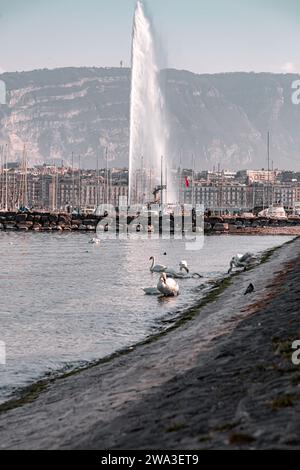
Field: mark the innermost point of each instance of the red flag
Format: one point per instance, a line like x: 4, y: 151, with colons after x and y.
x: 187, y: 182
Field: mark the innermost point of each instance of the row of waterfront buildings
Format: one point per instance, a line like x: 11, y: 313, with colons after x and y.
x: 52, y: 188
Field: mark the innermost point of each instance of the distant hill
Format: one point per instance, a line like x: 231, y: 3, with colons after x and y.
x: 221, y: 118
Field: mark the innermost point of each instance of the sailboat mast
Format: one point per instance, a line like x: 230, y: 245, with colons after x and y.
x: 23, y: 181
x: 6, y: 178
x: 73, y: 181
x: 166, y: 178
x: 97, y: 181
x: 161, y: 180
x: 1, y: 150
x: 2, y: 176
x: 193, y: 179
x: 107, y: 188
x: 13, y: 203
x: 268, y: 154
x: 142, y: 180
x: 180, y: 178
x: 79, y: 181
x: 26, y: 183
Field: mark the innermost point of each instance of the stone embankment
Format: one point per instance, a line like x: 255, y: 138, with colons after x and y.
x: 46, y: 221
x: 253, y: 226
x: 50, y: 221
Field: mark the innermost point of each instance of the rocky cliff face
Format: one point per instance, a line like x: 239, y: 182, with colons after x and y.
x: 221, y: 118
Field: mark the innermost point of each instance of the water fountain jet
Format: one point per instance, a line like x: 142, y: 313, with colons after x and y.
x: 148, y: 123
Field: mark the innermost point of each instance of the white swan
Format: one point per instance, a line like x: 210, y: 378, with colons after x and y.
x: 175, y: 274
x: 167, y: 286
x: 151, y: 290
x: 184, y: 266
x: 182, y: 275
x: 96, y: 241
x: 156, y: 268
x: 242, y: 261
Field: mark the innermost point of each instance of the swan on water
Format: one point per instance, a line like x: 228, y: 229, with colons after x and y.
x: 156, y: 268
x: 151, y: 290
x: 167, y: 286
x: 96, y: 241
x: 242, y: 261
x: 184, y: 266
x: 170, y: 272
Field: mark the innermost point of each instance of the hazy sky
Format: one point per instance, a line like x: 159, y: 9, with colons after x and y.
x: 203, y: 36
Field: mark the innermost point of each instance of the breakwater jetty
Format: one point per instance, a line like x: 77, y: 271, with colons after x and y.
x: 239, y: 225
x: 48, y: 221
x: 40, y: 221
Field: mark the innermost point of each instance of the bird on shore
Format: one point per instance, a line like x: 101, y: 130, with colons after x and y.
x: 156, y: 268
x: 249, y: 289
x: 167, y: 286
x: 242, y: 261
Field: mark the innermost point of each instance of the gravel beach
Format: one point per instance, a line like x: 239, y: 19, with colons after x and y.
x: 234, y: 388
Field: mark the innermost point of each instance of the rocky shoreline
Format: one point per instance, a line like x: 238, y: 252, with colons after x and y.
x: 239, y: 225
x: 223, y: 378
x: 48, y: 221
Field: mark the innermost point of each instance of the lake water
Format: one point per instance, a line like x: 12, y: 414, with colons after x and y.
x: 65, y: 302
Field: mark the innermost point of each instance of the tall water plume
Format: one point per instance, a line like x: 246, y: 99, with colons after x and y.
x: 148, y: 124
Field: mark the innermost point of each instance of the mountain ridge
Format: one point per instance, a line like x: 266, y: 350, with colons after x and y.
x: 220, y: 118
